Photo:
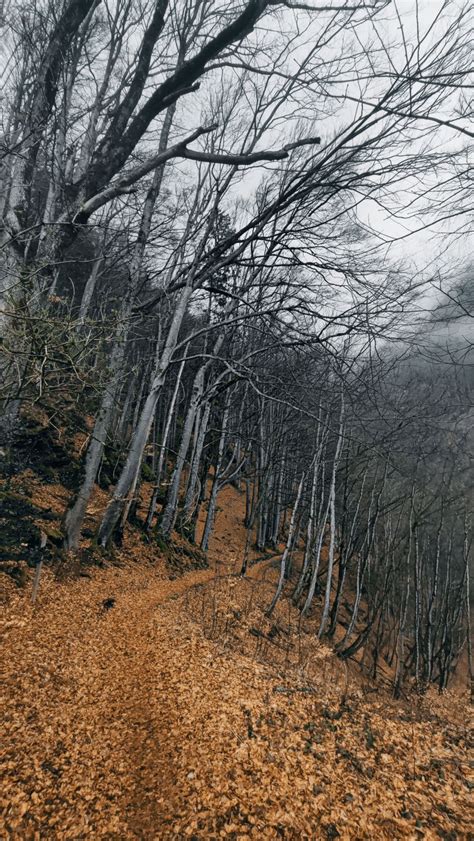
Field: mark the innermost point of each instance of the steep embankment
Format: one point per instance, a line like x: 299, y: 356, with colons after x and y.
x: 165, y: 716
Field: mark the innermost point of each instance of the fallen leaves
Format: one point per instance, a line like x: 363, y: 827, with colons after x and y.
x: 136, y: 722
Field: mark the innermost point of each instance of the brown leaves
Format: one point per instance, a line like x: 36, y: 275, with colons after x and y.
x: 132, y: 723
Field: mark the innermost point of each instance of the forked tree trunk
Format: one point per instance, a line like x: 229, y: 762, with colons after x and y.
x: 164, y: 444
x: 168, y: 516
x: 288, y: 546
x: 190, y: 500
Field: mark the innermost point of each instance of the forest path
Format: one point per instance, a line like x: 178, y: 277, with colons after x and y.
x: 129, y: 723
x: 108, y: 710
x: 84, y: 686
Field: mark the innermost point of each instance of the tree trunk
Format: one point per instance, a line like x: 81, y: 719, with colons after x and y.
x: 190, y: 498
x: 211, y: 509
x: 159, y: 469
x: 89, y: 290
x: 75, y: 515
x: 332, y: 525
x: 140, y: 434
x: 168, y: 516
x: 288, y: 546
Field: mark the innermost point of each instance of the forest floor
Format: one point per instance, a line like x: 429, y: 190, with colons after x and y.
x: 181, y: 712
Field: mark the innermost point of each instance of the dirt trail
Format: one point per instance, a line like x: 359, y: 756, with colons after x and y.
x: 129, y: 723
x: 96, y: 701
x: 92, y: 702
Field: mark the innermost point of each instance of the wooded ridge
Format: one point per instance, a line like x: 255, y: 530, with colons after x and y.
x: 236, y: 271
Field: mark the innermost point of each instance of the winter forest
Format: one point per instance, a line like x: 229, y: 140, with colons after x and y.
x: 236, y: 353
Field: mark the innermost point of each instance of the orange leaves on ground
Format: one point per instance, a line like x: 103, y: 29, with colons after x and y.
x: 160, y: 719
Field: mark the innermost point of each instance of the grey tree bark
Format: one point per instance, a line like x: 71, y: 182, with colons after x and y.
x: 168, y: 517
x: 75, y: 514
x: 211, y: 510
x: 140, y: 434
x: 164, y: 444
x: 289, y: 544
x: 332, y: 523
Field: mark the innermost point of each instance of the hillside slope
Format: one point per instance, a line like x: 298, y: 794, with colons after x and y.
x: 164, y: 716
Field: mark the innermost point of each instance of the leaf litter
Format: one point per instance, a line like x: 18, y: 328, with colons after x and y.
x: 181, y: 711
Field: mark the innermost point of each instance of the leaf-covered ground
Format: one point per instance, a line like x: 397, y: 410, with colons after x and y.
x: 164, y: 717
